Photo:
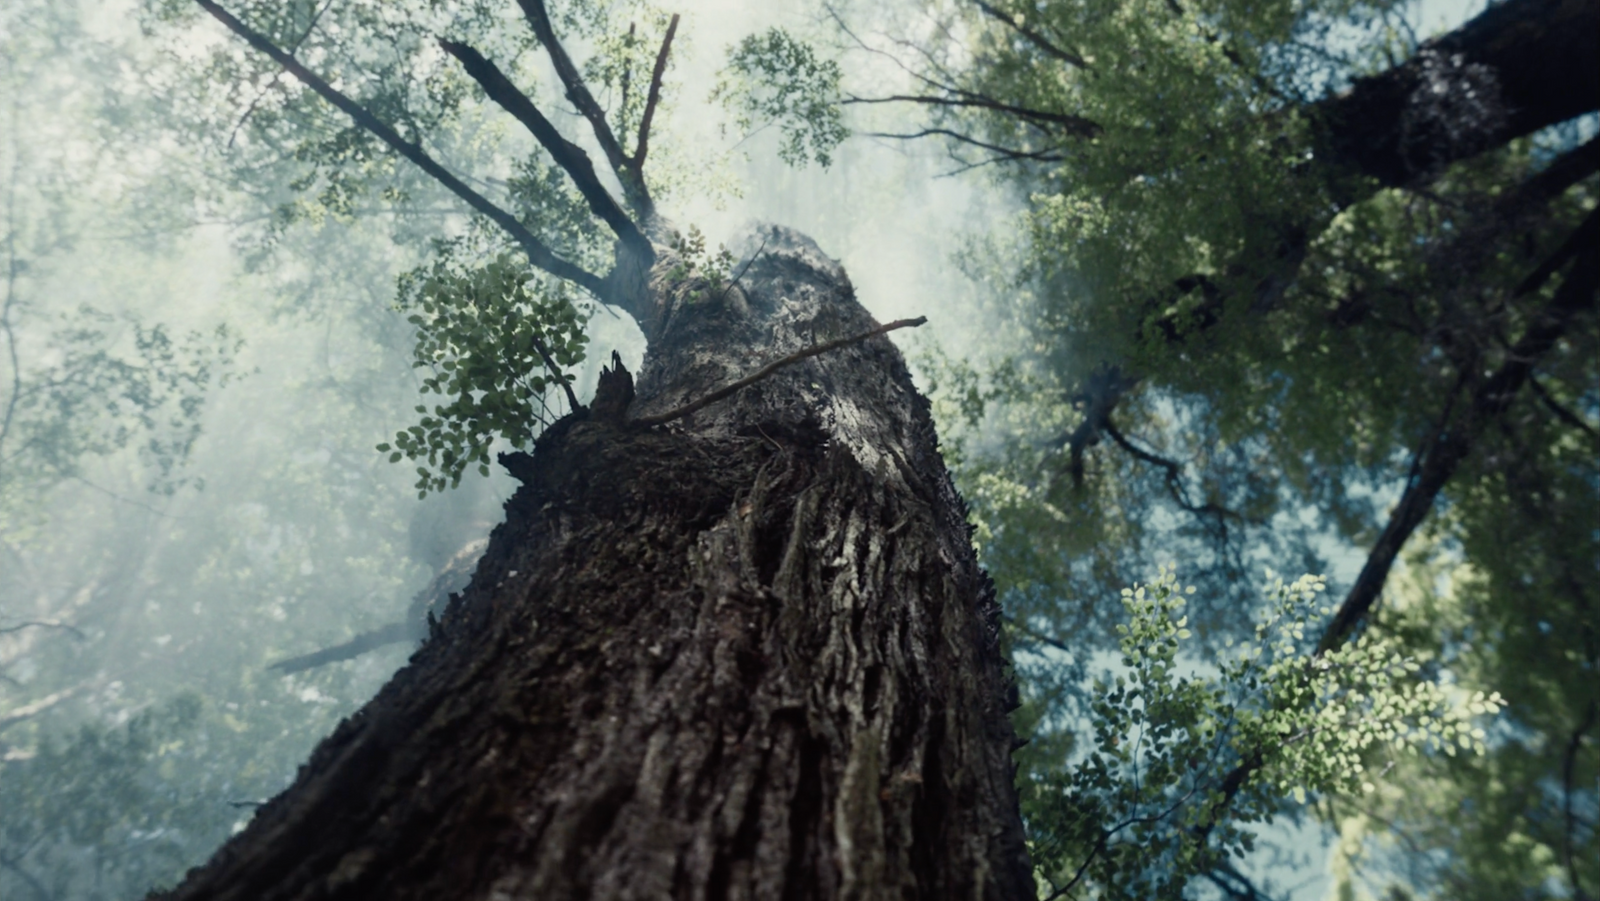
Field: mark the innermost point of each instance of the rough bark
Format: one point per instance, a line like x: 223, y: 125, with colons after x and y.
x: 749, y: 654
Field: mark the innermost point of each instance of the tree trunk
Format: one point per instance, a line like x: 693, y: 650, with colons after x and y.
x: 1517, y: 67
x: 749, y: 654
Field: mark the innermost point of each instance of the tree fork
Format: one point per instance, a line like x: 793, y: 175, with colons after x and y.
x: 748, y: 654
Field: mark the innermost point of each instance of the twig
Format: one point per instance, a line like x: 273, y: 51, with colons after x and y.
x: 743, y: 269
x: 44, y: 625
x: 1040, y: 637
x: 1007, y: 152
x: 1077, y: 126
x: 770, y: 368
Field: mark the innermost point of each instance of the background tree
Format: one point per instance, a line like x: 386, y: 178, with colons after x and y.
x: 1293, y: 281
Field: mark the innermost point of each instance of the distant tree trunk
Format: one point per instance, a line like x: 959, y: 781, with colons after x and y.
x: 747, y: 654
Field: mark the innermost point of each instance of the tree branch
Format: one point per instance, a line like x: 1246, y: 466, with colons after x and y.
x: 1490, y: 400
x: 569, y: 156
x: 1561, y: 411
x: 1234, y: 884
x: 1034, y: 38
x: 642, y: 146
x: 805, y: 353
x: 39, y: 624
x: 633, y: 187
x: 1569, y: 761
x: 1553, y: 180
x: 538, y: 253
x: 1076, y: 126
x: 1174, y: 478
x: 13, y: 269
x: 33, y: 882
x: 1105, y: 388
x: 382, y: 636
x: 1006, y: 153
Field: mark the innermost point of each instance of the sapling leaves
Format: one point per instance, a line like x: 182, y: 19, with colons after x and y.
x: 707, y: 271
x: 479, y: 333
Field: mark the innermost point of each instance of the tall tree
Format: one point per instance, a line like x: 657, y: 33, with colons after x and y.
x: 731, y: 640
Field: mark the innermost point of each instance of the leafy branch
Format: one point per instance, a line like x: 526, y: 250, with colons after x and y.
x: 1181, y: 764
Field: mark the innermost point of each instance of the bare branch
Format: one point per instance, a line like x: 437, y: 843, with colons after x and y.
x: 393, y: 633
x: 40, y: 624
x: 569, y: 156
x: 1009, y: 154
x: 1034, y: 37
x: 1077, y: 126
x: 654, y: 97
x: 734, y: 387
x: 538, y: 253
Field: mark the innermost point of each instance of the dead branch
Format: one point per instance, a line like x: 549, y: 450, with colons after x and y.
x: 805, y: 353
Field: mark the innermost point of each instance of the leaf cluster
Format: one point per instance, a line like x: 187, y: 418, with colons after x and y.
x: 693, y: 265
x: 479, y: 330
x: 104, y: 383
x: 1181, y: 764
x: 773, y: 78
x: 108, y: 788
